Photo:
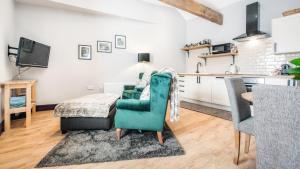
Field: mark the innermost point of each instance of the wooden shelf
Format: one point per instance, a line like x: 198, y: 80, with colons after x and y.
x: 196, y: 47
x: 219, y: 55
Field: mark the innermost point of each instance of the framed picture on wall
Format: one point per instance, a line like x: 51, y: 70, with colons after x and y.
x: 85, y: 52
x: 120, y: 41
x: 104, y: 46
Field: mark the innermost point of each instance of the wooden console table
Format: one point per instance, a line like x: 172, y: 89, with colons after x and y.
x: 30, y: 86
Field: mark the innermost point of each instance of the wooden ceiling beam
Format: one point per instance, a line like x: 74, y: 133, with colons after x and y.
x: 291, y: 12
x: 197, y: 9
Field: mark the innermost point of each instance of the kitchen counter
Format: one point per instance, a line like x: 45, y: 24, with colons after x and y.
x: 237, y: 75
x: 209, y: 89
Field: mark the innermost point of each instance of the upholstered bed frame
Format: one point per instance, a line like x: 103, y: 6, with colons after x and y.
x: 88, y: 123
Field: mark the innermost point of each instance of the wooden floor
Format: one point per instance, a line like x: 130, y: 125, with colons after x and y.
x: 207, y: 140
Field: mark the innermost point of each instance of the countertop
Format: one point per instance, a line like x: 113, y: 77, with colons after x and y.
x: 236, y: 75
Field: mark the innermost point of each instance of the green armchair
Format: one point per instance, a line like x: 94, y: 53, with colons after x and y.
x: 132, y: 91
x: 145, y: 114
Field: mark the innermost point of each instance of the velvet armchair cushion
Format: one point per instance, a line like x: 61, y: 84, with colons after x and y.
x: 129, y: 87
x: 139, y: 89
x: 133, y: 104
x: 131, y: 94
x: 134, y: 91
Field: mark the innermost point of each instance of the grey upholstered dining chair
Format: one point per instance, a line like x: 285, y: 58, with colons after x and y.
x: 277, y: 127
x: 241, y: 114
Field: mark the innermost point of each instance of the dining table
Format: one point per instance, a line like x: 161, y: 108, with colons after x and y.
x: 248, y: 96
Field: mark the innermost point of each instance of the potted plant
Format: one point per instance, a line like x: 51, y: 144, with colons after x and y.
x: 295, y: 70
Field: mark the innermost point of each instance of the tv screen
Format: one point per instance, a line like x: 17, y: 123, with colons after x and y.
x: 32, y: 54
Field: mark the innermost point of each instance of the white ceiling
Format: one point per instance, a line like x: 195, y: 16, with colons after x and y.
x: 214, y: 4
x: 217, y: 4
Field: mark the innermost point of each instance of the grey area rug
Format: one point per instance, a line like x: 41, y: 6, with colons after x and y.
x: 207, y: 110
x: 81, y: 147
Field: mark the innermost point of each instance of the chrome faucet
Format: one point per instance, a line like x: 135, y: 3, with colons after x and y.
x: 199, y: 64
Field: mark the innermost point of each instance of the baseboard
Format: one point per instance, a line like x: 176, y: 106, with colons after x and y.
x: 216, y: 106
x: 45, y: 107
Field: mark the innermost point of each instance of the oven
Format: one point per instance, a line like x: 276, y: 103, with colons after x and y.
x: 251, y: 81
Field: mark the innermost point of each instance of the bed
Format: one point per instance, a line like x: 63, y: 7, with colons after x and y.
x: 91, y: 112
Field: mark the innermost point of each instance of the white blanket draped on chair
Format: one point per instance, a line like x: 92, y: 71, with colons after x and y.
x: 174, y: 102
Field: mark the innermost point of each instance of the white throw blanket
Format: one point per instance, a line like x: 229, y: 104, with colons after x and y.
x: 174, y: 114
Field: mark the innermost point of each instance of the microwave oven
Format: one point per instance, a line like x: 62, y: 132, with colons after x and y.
x: 222, y: 48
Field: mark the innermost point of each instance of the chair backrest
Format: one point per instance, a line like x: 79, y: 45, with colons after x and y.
x: 159, y: 93
x: 240, y: 108
x: 277, y: 127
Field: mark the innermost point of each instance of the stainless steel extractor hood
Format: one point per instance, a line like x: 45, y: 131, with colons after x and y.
x: 252, y: 24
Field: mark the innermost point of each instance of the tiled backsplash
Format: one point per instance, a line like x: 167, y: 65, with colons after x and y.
x: 256, y: 56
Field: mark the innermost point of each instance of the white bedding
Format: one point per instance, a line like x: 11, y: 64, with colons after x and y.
x: 95, y: 105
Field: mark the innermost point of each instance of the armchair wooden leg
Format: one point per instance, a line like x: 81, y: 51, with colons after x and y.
x: 160, y: 137
x: 118, y: 132
x: 237, y: 138
x: 165, y: 125
x: 247, y: 143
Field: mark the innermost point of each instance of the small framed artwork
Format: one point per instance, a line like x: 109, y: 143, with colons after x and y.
x: 104, y: 46
x: 120, y: 42
x: 85, y: 52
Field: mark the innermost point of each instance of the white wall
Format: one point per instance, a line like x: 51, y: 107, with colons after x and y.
x: 63, y: 30
x: 6, y: 33
x: 235, y: 25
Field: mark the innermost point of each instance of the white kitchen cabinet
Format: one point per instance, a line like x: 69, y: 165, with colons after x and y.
x: 200, y: 90
x: 204, y: 88
x: 219, y: 92
x: 286, y: 34
x: 208, y: 89
x: 191, y: 88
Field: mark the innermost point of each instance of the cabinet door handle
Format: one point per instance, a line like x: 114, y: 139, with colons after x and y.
x: 199, y: 79
x: 181, y: 80
x: 181, y: 85
x: 181, y: 91
x: 275, y: 47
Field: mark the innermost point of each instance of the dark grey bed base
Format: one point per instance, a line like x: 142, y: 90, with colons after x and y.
x: 87, y: 123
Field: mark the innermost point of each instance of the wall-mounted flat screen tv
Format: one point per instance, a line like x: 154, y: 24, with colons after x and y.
x: 32, y: 54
